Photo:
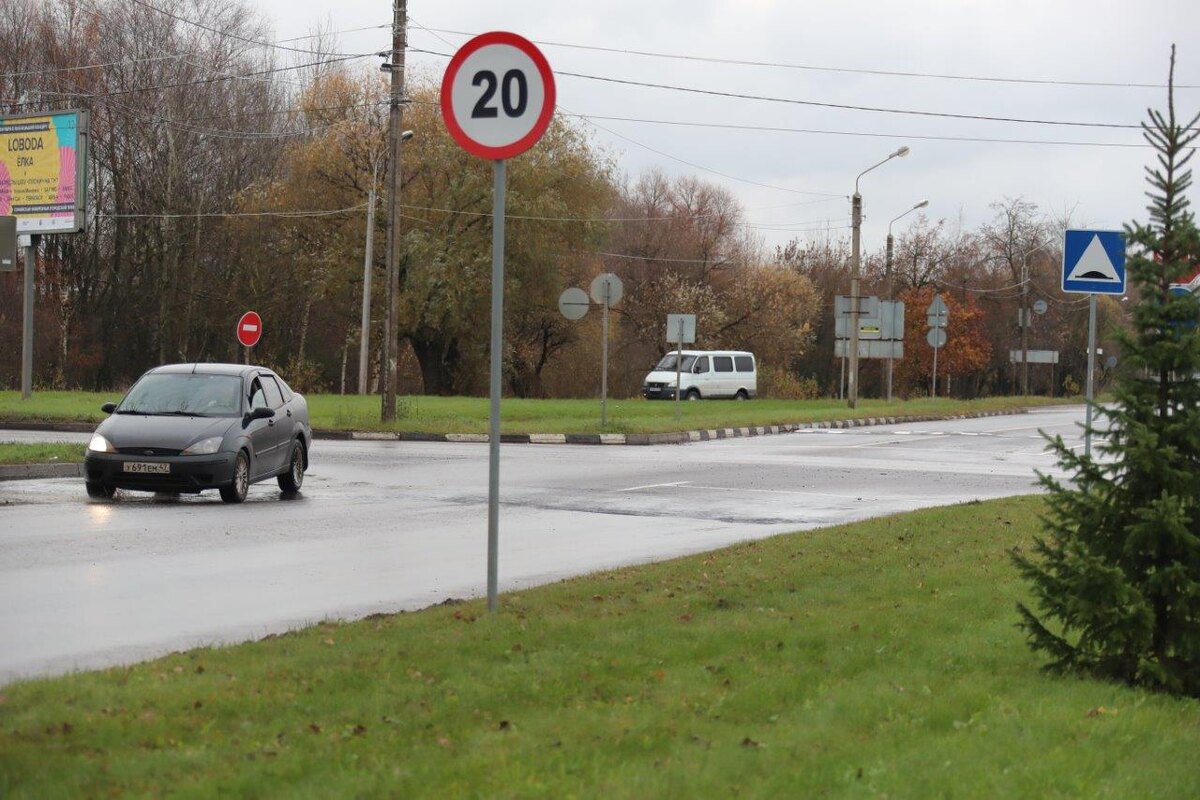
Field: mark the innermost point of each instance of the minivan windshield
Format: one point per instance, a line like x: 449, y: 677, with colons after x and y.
x: 668, y: 363
x: 185, y: 394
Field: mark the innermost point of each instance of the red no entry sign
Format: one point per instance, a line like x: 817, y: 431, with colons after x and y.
x: 249, y: 329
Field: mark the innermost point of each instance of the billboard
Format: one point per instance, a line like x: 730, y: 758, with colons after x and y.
x: 43, y: 171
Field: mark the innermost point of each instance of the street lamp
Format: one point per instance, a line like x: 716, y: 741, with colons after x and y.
x: 856, y: 221
x: 892, y: 284
x: 364, y: 336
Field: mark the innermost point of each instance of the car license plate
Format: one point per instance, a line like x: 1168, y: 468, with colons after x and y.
x: 148, y: 467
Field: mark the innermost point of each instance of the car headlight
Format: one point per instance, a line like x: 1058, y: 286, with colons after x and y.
x: 99, y: 444
x: 204, y: 447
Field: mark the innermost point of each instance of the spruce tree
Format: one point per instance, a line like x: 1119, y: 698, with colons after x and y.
x: 1116, y: 577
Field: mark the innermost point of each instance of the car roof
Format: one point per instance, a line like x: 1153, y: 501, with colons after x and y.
x: 209, y: 369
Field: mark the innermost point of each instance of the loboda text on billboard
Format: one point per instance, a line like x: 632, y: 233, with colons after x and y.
x: 43, y: 171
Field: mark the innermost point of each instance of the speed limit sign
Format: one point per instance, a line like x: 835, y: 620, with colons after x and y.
x: 498, y: 95
x: 497, y: 101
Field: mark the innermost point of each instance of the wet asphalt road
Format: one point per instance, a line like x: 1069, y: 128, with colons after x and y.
x: 386, y: 526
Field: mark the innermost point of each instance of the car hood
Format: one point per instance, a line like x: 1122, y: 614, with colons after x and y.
x: 174, y: 433
x: 662, y: 376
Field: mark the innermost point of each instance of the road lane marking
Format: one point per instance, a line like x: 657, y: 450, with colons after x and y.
x: 653, y: 486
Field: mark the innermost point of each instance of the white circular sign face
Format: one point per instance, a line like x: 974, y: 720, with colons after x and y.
x: 573, y: 303
x: 497, y: 95
x: 610, y: 283
x: 936, y: 337
x: 1040, y: 307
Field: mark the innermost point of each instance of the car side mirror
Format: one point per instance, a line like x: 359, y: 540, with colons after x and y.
x: 261, y: 413
x: 108, y: 408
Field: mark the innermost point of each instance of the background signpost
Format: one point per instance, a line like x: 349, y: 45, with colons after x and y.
x: 938, y: 317
x: 681, y: 330
x: 607, y: 290
x: 43, y: 157
x: 497, y: 99
x: 1093, y: 263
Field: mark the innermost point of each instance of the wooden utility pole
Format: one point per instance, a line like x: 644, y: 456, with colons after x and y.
x: 395, y: 125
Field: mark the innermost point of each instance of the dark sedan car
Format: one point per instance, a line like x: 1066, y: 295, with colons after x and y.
x: 191, y: 427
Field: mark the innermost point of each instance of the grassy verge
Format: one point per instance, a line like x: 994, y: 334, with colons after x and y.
x: 41, y: 453
x: 470, y: 414
x: 878, y: 659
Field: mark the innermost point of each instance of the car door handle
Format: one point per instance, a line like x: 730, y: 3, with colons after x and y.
x: 289, y: 412
x: 270, y: 423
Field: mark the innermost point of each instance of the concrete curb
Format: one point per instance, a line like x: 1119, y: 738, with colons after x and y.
x: 19, y: 472
x: 27, y: 471
x: 676, y: 437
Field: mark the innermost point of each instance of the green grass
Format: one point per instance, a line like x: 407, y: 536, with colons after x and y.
x: 870, y: 660
x: 56, y: 452
x: 470, y: 414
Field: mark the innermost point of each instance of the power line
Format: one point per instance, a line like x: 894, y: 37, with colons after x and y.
x: 826, y: 132
x: 850, y: 70
x: 227, y: 34
x: 701, y: 167
x: 197, y: 82
x: 223, y: 214
x: 822, y: 104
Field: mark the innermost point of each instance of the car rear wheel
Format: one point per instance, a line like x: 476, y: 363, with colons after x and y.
x: 291, y: 481
x: 741, y: 395
x: 99, y: 490
x: 236, y: 491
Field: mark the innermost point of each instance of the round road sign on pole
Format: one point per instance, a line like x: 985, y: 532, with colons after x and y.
x: 936, y: 337
x: 497, y: 95
x: 610, y: 283
x: 249, y: 329
x: 573, y: 303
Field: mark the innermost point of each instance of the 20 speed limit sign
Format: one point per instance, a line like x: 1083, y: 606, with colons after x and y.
x: 497, y: 95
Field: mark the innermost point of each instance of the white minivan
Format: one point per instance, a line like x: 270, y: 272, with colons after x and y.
x: 704, y: 373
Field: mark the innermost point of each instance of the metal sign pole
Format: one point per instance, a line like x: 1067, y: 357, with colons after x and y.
x: 678, y: 374
x: 933, y: 385
x: 604, y: 359
x: 27, y: 324
x: 494, y: 416
x: 1091, y: 376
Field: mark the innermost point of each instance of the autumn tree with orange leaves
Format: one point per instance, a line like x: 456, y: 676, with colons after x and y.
x: 966, y: 352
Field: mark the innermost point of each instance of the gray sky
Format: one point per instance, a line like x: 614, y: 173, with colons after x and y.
x: 1048, y: 40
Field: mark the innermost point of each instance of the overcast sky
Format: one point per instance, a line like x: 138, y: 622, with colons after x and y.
x: 785, y: 179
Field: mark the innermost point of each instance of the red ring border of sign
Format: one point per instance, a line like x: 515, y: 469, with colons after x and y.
x: 539, y: 127
x: 249, y: 315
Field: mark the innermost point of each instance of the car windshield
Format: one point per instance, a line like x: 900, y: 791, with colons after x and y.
x: 185, y: 394
x: 668, y: 363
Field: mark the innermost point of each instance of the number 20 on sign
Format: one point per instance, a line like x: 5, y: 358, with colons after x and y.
x: 497, y: 95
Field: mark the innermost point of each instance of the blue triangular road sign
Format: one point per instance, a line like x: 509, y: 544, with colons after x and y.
x: 1094, y: 262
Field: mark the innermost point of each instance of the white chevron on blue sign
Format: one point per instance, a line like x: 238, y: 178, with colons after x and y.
x: 1094, y: 262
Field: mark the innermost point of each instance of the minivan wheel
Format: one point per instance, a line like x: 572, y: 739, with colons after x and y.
x: 741, y: 395
x: 692, y: 394
x: 236, y: 491
x: 291, y: 481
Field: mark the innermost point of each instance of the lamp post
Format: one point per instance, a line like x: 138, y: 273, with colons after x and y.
x: 856, y: 222
x: 364, y: 337
x: 892, y: 285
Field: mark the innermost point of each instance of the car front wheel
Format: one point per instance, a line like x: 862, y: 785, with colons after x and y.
x: 291, y: 481
x: 691, y: 394
x: 236, y: 491
x: 99, y: 490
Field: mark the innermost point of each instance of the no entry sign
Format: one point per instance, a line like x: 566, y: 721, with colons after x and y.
x: 497, y: 95
x: 249, y: 329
